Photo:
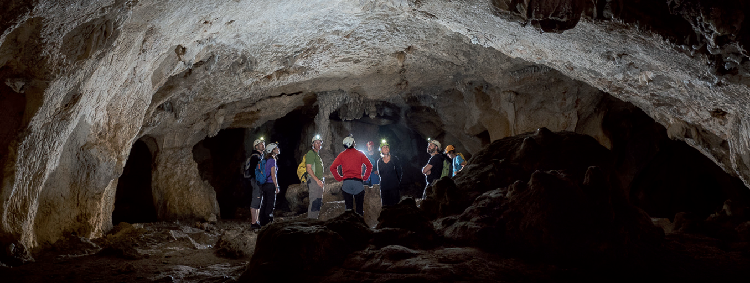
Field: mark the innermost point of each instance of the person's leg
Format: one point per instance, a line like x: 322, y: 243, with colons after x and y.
x: 271, y: 204
x: 360, y: 199
x: 383, y: 197
x: 349, y: 185
x: 269, y: 199
x: 315, y: 193
x: 389, y: 197
x: 348, y: 200
x: 255, y: 201
x: 262, y: 219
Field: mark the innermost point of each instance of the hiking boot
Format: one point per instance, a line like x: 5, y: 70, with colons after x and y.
x: 255, y: 226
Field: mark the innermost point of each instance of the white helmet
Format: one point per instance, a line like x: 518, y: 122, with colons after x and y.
x: 348, y: 141
x: 317, y: 138
x: 256, y: 142
x: 435, y: 142
x: 270, y: 147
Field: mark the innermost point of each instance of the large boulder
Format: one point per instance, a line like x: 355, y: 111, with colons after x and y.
x: 552, y: 217
x: 515, y: 158
x: 304, y: 248
x: 297, y: 197
x: 405, y: 225
x: 235, y: 244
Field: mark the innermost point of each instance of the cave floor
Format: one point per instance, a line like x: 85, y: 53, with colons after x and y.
x: 159, y: 252
x: 190, y: 252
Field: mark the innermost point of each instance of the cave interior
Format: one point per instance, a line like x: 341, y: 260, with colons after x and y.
x: 602, y: 137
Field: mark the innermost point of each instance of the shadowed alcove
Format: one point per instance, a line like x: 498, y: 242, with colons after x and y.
x: 134, y: 202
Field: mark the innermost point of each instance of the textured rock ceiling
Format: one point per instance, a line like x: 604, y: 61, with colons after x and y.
x: 83, y: 80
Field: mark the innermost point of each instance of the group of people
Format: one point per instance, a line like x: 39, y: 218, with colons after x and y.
x: 262, y: 165
x: 447, y: 163
x: 354, y: 168
x: 387, y: 173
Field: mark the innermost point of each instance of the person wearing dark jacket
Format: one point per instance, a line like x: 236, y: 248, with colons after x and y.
x: 434, y: 167
x: 351, y: 162
x: 390, y: 173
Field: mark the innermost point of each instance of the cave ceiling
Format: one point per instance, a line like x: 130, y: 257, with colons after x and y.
x: 98, y: 75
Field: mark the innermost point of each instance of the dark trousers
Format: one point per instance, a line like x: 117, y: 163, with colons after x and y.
x: 268, y: 194
x: 389, y: 197
x: 359, y: 198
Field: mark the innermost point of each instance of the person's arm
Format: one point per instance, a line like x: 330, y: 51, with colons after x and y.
x: 334, y: 169
x: 368, y: 166
x: 273, y: 177
x: 426, y: 169
x: 377, y: 166
x: 399, y: 172
x: 315, y: 178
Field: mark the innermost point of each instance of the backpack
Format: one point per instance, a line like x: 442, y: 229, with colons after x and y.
x: 463, y: 158
x: 446, y: 167
x: 302, y: 170
x: 246, y: 172
x: 260, y: 173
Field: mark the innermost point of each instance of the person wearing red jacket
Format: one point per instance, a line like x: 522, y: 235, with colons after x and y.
x: 351, y: 162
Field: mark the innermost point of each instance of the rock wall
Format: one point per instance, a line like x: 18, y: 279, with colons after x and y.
x: 85, y: 79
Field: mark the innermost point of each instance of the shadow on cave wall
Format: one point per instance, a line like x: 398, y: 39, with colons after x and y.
x: 660, y: 175
x: 134, y: 202
x: 219, y: 161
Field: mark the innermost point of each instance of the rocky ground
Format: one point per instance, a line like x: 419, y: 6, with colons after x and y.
x: 150, y: 252
x: 220, y: 252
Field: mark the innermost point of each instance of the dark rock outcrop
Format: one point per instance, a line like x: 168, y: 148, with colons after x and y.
x: 554, y: 218
x: 235, y: 244
x: 562, y: 205
x: 405, y: 225
x: 515, y: 158
x: 305, y: 248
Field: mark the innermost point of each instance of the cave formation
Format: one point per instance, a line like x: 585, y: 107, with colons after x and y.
x: 95, y: 92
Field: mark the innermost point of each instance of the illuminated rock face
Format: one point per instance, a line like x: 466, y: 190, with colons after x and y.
x: 83, y: 80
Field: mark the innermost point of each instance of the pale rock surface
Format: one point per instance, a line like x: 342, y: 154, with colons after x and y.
x: 98, y: 75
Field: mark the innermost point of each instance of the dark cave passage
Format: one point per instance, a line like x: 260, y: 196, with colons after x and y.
x: 680, y: 179
x: 664, y: 176
x: 134, y: 202
x: 11, y: 118
x: 219, y: 161
x: 660, y: 175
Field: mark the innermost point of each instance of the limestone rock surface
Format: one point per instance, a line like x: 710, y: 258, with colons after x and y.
x: 81, y: 81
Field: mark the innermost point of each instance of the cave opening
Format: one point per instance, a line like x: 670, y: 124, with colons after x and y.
x: 134, y: 202
x: 219, y: 160
x: 11, y: 118
x: 661, y: 175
